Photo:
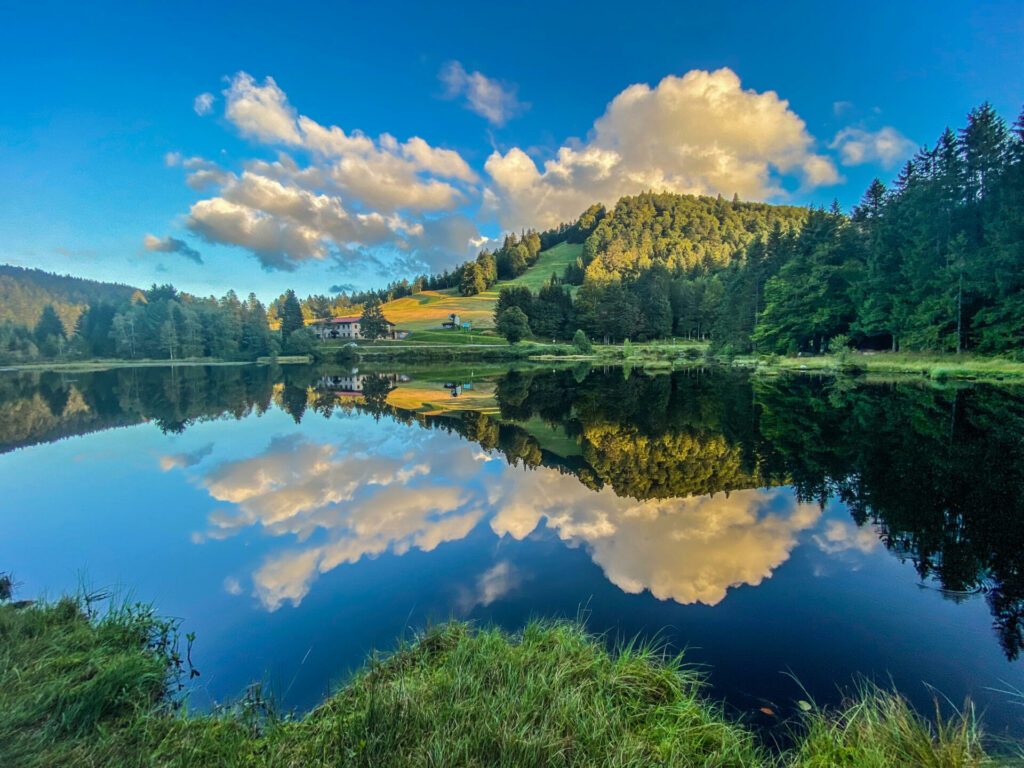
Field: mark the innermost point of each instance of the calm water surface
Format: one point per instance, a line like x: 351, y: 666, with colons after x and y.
x: 297, y: 518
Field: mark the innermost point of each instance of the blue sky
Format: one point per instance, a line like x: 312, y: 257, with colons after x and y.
x: 397, y: 138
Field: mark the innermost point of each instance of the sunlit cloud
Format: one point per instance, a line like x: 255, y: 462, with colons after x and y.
x: 494, y: 101
x: 331, y: 194
x: 356, y: 503
x: 701, y: 133
x: 887, y: 147
x: 349, y: 194
x: 690, y: 550
x: 843, y: 536
x: 168, y: 244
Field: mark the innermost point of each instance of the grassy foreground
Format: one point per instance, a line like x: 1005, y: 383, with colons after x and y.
x: 84, y: 688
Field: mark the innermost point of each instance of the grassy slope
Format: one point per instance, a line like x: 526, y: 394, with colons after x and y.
x: 553, y: 260
x: 79, y: 689
x: 428, y: 309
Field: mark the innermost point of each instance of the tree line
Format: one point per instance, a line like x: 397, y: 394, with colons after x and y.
x: 159, y: 323
x: 934, y: 262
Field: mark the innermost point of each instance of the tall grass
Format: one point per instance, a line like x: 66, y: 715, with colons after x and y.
x: 80, y: 687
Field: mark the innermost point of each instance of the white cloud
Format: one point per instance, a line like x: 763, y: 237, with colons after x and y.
x: 701, y: 133
x: 691, y: 550
x: 492, y: 585
x: 354, y: 193
x: 364, y: 504
x: 156, y: 244
x: 203, y: 104
x: 261, y: 112
x: 842, y: 536
x: 284, y: 224
x: 494, y: 101
x: 886, y: 146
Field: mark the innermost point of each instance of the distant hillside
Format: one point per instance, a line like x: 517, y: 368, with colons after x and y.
x: 685, y: 233
x: 688, y: 234
x: 428, y: 309
x: 24, y: 292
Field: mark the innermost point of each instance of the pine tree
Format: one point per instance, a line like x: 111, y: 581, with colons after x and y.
x: 372, y: 323
x: 291, y: 314
x: 473, y: 281
x: 49, y: 326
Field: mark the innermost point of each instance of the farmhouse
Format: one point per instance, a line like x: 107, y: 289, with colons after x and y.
x: 347, y: 328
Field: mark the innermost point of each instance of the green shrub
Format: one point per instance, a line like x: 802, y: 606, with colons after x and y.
x: 581, y: 343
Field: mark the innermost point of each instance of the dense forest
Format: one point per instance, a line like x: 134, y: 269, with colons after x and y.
x: 160, y: 323
x: 26, y: 292
x: 934, y: 262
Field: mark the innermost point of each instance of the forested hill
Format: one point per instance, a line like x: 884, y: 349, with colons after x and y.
x: 24, y: 292
x: 685, y: 233
x: 933, y: 262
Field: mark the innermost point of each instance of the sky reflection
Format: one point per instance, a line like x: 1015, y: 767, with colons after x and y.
x: 332, y: 503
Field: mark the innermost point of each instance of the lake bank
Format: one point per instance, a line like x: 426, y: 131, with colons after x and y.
x: 652, y: 356
x: 104, y: 364
x: 85, y: 684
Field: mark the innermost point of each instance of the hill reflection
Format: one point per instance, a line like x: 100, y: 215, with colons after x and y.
x: 685, y: 485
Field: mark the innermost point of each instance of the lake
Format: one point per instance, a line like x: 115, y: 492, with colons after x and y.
x: 778, y: 529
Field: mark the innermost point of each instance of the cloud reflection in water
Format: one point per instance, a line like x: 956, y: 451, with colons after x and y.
x: 339, y: 503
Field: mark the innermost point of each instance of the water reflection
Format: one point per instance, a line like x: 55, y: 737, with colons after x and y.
x: 366, y: 502
x: 684, y: 486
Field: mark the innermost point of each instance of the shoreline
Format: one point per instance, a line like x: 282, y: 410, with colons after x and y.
x: 652, y: 356
x: 88, y: 683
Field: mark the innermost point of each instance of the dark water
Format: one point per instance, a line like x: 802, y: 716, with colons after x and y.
x: 297, y: 518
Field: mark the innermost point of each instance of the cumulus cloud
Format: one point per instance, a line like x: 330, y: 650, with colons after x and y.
x: 342, y: 503
x: 261, y: 111
x: 351, y: 194
x: 169, y: 244
x: 203, y: 104
x: 690, y: 550
x: 494, y: 101
x: 843, y: 536
x: 368, y: 504
x: 202, y: 173
x: 701, y: 133
x: 886, y: 146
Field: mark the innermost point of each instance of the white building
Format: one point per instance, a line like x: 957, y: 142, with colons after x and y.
x: 346, y: 328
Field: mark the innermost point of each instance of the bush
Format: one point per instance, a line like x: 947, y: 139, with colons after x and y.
x: 301, y: 342
x: 513, y: 324
x: 581, y: 343
x: 839, y: 347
